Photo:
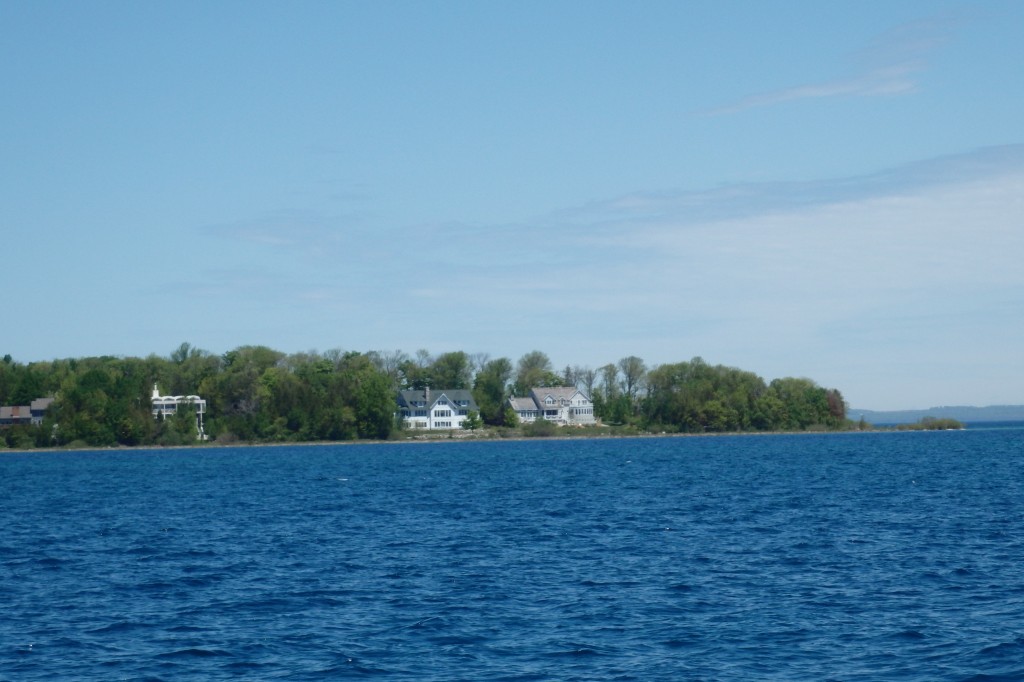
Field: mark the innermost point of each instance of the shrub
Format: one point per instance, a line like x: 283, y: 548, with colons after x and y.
x: 541, y: 428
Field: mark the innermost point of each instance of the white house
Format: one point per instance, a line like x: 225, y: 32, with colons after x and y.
x: 426, y: 409
x: 166, y: 405
x: 564, y: 405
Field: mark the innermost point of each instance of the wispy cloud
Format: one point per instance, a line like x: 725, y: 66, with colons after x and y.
x: 849, y: 281
x: 891, y: 80
x: 837, y: 280
x: 889, y: 66
x: 620, y: 215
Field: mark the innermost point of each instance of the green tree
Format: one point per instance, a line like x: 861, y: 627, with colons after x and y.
x: 416, y: 372
x: 103, y: 401
x: 694, y: 396
x: 490, y: 391
x: 28, y: 387
x: 534, y: 370
x: 188, y: 368
x: 472, y: 422
x: 509, y: 418
x: 807, y: 404
x: 366, y: 392
x: 632, y: 370
x: 451, y: 371
x: 237, y: 392
x: 769, y: 413
x: 390, y: 363
x: 619, y: 410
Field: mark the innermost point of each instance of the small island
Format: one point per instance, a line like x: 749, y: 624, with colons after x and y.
x: 932, y: 424
x: 255, y: 394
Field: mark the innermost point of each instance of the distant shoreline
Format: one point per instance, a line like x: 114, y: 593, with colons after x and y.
x: 963, y: 413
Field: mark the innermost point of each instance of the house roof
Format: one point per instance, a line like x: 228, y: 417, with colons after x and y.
x: 556, y: 392
x: 520, y: 404
x: 15, y: 412
x: 535, y: 400
x: 433, y: 395
x: 24, y: 412
x: 41, y: 404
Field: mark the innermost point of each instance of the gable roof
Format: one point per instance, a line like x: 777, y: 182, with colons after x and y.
x: 522, y: 404
x: 432, y: 396
x: 537, y: 397
x: 41, y: 404
x: 557, y: 392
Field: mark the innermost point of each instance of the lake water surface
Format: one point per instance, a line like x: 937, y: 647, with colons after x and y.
x: 868, y: 556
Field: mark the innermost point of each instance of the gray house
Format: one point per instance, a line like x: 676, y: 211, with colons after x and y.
x: 25, y: 414
x: 564, y: 405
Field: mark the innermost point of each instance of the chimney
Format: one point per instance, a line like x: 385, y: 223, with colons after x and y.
x: 426, y: 394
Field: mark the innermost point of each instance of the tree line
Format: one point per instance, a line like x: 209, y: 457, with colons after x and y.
x: 255, y: 393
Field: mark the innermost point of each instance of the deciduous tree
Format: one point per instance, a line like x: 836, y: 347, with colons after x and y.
x: 451, y: 371
x: 490, y: 390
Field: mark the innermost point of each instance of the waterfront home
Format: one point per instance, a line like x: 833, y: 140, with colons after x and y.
x: 25, y: 414
x: 164, y: 406
x: 563, y: 405
x: 437, y: 409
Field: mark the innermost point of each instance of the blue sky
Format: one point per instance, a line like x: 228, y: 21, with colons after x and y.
x: 830, y: 190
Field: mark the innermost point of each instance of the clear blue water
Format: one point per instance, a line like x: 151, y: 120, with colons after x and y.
x: 875, y: 556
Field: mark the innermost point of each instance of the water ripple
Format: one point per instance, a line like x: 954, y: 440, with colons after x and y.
x: 853, y: 558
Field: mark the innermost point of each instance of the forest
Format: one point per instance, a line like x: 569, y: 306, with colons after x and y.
x: 257, y: 394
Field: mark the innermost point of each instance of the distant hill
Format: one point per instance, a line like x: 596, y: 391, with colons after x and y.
x: 993, y: 413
